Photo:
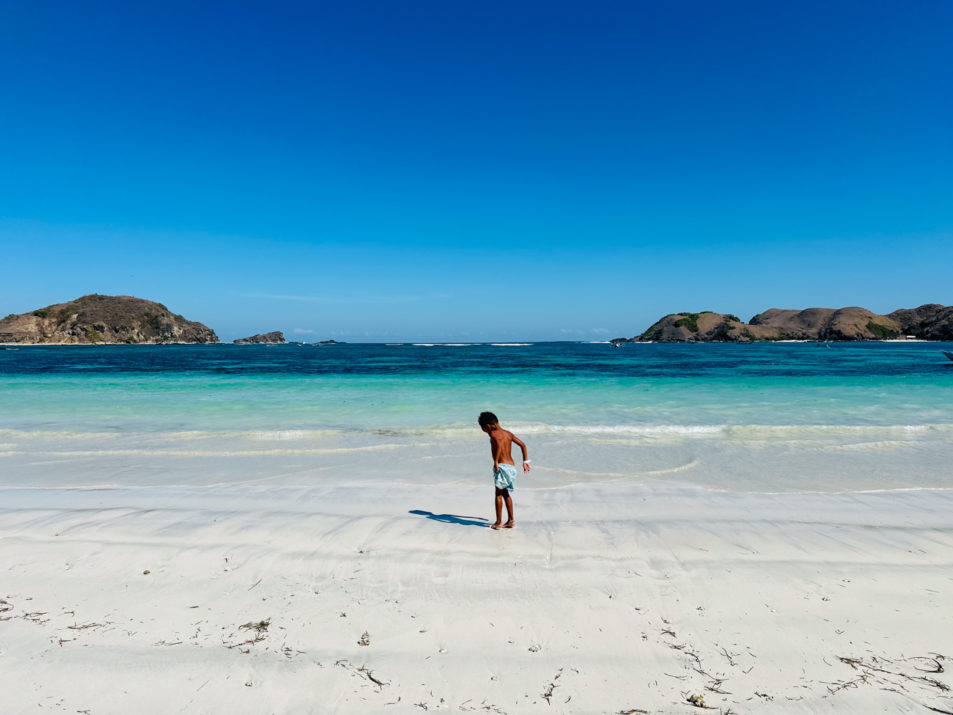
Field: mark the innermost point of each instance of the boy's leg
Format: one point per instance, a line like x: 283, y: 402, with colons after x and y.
x: 499, y: 508
x: 509, y: 509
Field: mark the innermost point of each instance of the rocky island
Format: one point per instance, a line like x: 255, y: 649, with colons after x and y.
x: 103, y: 320
x: 275, y: 337
x: 928, y: 322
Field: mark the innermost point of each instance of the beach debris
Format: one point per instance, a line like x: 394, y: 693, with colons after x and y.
x: 900, y: 675
x: 698, y: 701
x: 552, y: 686
x: 370, y: 676
x: 633, y: 711
x: 715, y: 686
x: 365, y: 639
x: 362, y: 672
x: 535, y: 648
x: 146, y: 572
x: 482, y: 707
x: 259, y: 628
x: 85, y: 626
x: 731, y: 660
x: 934, y: 668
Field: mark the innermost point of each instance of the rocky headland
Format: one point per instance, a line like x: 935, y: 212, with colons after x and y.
x: 275, y: 337
x: 928, y: 322
x: 103, y: 320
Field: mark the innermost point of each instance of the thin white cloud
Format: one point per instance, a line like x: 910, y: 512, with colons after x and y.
x: 305, y: 331
x: 354, y: 299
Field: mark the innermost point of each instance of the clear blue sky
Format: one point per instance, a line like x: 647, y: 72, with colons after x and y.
x: 469, y: 170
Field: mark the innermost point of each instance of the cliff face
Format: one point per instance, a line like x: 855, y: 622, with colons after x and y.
x: 262, y: 339
x: 103, y: 319
x: 928, y: 322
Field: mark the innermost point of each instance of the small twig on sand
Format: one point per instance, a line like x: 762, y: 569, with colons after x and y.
x: 715, y: 686
x: 935, y: 668
x: 370, y: 676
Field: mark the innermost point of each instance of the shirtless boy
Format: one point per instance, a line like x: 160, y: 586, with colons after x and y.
x: 504, y: 471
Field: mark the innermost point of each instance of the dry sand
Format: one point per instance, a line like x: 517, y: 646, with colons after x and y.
x: 605, y: 599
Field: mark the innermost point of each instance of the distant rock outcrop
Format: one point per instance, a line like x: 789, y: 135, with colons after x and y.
x: 106, y: 320
x: 823, y: 324
x: 928, y: 322
x: 271, y: 338
x: 694, y: 327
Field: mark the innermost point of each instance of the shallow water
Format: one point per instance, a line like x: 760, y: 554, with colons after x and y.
x: 762, y: 417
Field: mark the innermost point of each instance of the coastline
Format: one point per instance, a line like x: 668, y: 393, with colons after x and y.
x: 605, y: 598
x: 487, y: 344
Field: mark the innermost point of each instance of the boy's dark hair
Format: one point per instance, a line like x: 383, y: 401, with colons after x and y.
x: 487, y: 418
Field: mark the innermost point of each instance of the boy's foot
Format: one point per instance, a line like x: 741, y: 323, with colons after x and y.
x: 497, y: 525
x: 509, y: 525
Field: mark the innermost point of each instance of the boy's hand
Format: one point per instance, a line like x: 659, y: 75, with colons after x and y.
x: 525, y: 467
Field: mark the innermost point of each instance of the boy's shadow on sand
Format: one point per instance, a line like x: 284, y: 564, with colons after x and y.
x: 453, y: 518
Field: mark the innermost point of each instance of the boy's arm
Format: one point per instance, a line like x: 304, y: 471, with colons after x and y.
x: 522, y: 447
x: 495, y: 451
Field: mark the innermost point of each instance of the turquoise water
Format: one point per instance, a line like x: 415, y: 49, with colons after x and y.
x: 763, y: 416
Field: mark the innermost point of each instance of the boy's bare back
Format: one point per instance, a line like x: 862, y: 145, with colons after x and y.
x: 501, y: 445
x: 501, y: 442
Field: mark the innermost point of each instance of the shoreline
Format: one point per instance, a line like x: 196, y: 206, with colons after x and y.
x: 480, y: 344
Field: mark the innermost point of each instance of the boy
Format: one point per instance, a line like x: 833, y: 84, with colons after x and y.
x: 504, y: 471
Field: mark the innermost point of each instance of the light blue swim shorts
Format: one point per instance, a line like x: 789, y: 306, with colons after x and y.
x: 505, y: 476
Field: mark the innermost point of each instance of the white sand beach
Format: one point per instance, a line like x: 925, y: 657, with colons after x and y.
x: 606, y: 598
